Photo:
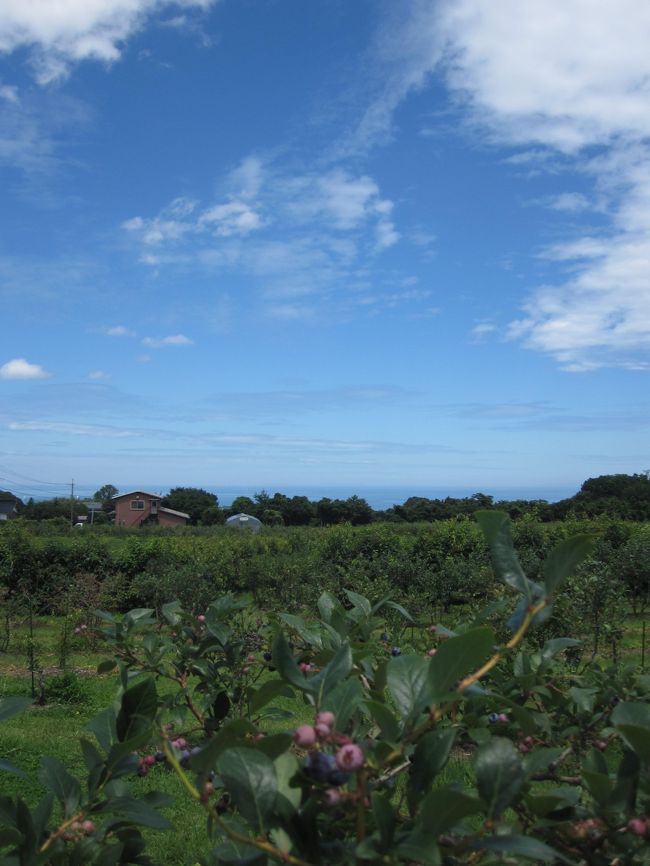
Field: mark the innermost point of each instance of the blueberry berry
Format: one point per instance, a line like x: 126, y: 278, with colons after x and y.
x: 493, y: 718
x: 384, y: 637
x: 396, y: 651
x: 318, y: 766
x: 268, y: 656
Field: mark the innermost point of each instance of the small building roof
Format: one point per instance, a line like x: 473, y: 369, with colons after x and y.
x: 137, y: 493
x: 244, y: 520
x: 176, y: 513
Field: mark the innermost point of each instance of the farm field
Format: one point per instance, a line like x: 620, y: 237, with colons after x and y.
x: 51, y: 642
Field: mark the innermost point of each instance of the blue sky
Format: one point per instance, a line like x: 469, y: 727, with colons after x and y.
x: 270, y: 242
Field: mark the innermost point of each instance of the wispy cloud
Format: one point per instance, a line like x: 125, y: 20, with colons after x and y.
x: 98, y: 375
x: 297, y: 234
x: 19, y: 368
x: 72, y: 429
x: 119, y: 331
x: 171, y: 340
x: 58, y: 35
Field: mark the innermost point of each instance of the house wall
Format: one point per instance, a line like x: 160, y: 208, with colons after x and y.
x: 170, y: 519
x: 127, y: 516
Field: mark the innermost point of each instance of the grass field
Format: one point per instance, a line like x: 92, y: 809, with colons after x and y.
x: 55, y: 729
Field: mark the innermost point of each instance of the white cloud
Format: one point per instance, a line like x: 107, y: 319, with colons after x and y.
x: 73, y: 429
x: 564, y: 73
x: 119, y: 331
x: 171, y: 340
x: 19, y: 368
x: 232, y: 218
x: 9, y: 92
x: 479, y: 332
x: 98, y: 374
x: 571, y: 202
x: 568, y: 75
x: 296, y: 234
x: 59, y: 34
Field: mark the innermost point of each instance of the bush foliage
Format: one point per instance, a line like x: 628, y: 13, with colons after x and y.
x: 557, y: 760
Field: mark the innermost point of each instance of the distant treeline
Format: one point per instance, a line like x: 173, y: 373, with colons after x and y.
x: 625, y: 497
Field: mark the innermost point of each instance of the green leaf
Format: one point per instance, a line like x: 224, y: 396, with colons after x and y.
x: 384, y: 819
x: 334, y: 672
x: 310, y: 633
x: 286, y: 664
x: 239, y: 853
x: 443, y: 808
x: 54, y: 776
x: 251, y: 779
x: 8, y: 767
x: 286, y: 767
x: 171, y: 612
x: 137, y: 812
x: 496, y: 528
x: 407, y: 678
x: 138, y: 710
x: 419, y: 847
x: 563, y: 560
x: 343, y: 701
x: 106, y: 666
x: 521, y: 846
x: 384, y: 718
x: 457, y: 657
x: 499, y: 775
x: 267, y: 692
x: 632, y: 721
x: 360, y: 602
x: 12, y: 706
x: 430, y: 757
x: 401, y: 610
x: 103, y: 727
x: 327, y: 604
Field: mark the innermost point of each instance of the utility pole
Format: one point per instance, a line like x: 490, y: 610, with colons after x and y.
x: 72, y: 502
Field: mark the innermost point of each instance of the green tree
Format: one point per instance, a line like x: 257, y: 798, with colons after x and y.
x: 192, y: 500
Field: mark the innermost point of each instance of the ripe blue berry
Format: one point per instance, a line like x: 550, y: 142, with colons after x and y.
x: 396, y: 651
x: 318, y: 766
x: 493, y: 718
x: 384, y: 637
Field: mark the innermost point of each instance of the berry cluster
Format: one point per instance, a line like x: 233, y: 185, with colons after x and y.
x: 324, y: 767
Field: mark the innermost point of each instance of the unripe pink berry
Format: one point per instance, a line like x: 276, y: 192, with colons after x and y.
x: 143, y: 770
x: 84, y: 627
x: 250, y: 657
x: 77, y: 631
x: 201, y: 618
x: 332, y: 796
x: 304, y: 667
x: 325, y: 717
x: 431, y: 652
x: 523, y: 748
x: 88, y: 827
x: 638, y: 826
x: 322, y: 730
x: 503, y: 718
x: 246, y: 669
x: 149, y: 760
x: 432, y: 628
x: 304, y: 736
x: 349, y: 757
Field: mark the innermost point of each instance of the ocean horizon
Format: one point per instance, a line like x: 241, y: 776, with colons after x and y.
x: 383, y: 497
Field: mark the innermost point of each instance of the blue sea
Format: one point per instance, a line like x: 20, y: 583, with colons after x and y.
x: 381, y: 498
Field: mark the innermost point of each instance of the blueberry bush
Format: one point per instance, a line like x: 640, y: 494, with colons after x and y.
x: 557, y: 757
